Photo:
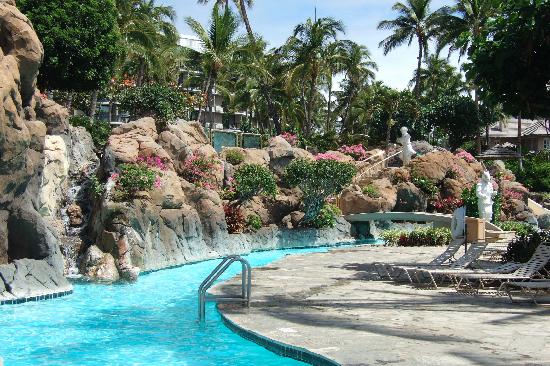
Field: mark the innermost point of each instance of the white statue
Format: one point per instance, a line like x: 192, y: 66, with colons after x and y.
x: 405, y: 141
x: 485, y: 194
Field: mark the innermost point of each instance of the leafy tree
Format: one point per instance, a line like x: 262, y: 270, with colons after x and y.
x: 414, y: 20
x: 254, y: 179
x: 510, y: 59
x: 318, y: 180
x: 81, y: 42
x: 457, y: 117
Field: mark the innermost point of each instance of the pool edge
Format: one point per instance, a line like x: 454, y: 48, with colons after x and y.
x: 279, y: 348
x: 22, y: 300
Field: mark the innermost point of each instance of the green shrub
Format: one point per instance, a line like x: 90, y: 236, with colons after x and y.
x: 99, y: 130
x: 254, y: 179
x: 234, y: 157
x: 318, y: 180
x: 134, y: 178
x: 426, y: 185
x: 163, y: 103
x: 371, y: 191
x: 326, y: 217
x: 521, y: 228
x: 96, y: 187
x: 522, y: 248
x: 419, y: 237
x: 536, y: 171
x: 254, y: 222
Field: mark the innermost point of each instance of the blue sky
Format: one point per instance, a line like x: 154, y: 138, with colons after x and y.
x: 275, y: 20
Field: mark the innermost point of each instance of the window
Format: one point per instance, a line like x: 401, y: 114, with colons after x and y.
x: 546, y: 144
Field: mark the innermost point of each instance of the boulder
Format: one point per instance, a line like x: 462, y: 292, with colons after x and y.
x: 74, y: 212
x: 422, y: 147
x: 410, y: 198
x: 544, y: 221
x: 54, y: 116
x: 353, y: 201
x: 55, y: 175
x: 436, y: 165
x: 98, y: 265
x: 292, y: 220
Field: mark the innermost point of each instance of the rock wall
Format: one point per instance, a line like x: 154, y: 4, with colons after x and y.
x: 182, y: 222
x: 31, y: 263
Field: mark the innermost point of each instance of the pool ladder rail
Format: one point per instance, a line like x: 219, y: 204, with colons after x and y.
x: 246, y: 285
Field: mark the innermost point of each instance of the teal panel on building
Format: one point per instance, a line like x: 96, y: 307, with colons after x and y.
x: 252, y: 141
x: 221, y: 139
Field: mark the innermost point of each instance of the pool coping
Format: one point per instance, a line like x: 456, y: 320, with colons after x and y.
x: 22, y: 300
x: 279, y: 348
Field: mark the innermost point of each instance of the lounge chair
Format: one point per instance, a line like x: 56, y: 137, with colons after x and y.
x: 386, y: 270
x: 534, y: 287
x: 474, y: 251
x: 458, y: 232
x: 527, y: 271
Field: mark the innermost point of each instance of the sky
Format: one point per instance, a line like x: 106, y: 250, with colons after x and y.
x: 275, y: 20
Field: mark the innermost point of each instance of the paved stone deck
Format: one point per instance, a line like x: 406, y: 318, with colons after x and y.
x: 331, y: 304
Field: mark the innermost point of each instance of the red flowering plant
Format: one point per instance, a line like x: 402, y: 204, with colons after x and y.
x: 448, y: 205
x: 200, y: 170
x: 291, y: 138
x: 234, y: 217
x: 357, y: 152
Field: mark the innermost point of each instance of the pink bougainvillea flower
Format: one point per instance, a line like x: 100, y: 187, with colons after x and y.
x: 328, y: 156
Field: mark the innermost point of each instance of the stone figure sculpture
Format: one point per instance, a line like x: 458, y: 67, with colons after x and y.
x: 485, y: 194
x: 405, y: 141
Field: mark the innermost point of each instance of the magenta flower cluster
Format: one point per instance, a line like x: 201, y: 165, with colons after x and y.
x: 291, y: 138
x: 152, y: 162
x: 358, y: 152
x: 513, y: 195
x: 328, y: 156
x: 466, y: 156
x: 199, y: 169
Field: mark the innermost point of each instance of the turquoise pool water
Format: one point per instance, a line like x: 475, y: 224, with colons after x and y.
x: 151, y: 322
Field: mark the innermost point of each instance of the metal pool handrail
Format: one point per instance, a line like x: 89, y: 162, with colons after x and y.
x: 246, y: 284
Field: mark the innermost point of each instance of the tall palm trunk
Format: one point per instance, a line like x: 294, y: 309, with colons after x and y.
x: 478, y: 136
x: 93, y: 104
x: 210, y: 100
x: 310, y: 104
x: 419, y: 66
x: 328, y: 126
x: 206, y: 89
x: 141, y: 73
x: 244, y: 16
x: 520, y: 142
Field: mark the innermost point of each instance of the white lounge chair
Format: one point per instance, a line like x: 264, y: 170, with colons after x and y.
x: 529, y: 270
x: 533, y: 287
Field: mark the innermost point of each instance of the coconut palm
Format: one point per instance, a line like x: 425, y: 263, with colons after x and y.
x: 241, y: 6
x: 150, y: 39
x: 306, y: 51
x: 359, y: 70
x: 462, y: 23
x: 219, y: 46
x: 414, y: 20
x: 438, y: 77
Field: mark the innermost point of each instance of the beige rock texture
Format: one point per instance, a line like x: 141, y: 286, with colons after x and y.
x: 30, y: 257
x: 55, y: 176
x: 99, y: 265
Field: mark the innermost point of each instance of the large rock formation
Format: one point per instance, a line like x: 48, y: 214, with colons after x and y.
x: 30, y: 256
x: 182, y: 222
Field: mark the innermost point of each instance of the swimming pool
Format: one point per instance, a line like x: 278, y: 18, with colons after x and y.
x: 151, y: 322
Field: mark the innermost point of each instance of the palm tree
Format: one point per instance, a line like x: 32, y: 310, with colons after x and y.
x: 359, y: 71
x: 150, y: 39
x: 306, y: 50
x: 459, y: 26
x: 414, y: 20
x: 241, y: 6
x: 438, y: 77
x: 219, y: 45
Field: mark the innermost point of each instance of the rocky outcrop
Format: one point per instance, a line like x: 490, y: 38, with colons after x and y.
x: 353, y: 200
x: 31, y: 263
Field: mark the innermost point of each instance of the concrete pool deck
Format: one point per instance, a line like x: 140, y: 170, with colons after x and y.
x: 331, y: 305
